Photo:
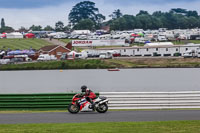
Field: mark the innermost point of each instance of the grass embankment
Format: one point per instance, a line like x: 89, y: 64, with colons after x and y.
x: 181, y: 42
x: 66, y: 40
x: 104, y: 64
x: 108, y: 127
x: 22, y: 44
x: 69, y: 64
x: 155, y: 63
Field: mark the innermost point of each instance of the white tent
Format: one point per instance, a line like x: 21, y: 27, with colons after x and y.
x: 81, y: 32
x: 14, y: 35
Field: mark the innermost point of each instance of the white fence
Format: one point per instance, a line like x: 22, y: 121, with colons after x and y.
x: 153, y: 100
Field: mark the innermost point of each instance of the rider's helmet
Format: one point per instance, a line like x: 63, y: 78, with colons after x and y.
x: 83, y: 88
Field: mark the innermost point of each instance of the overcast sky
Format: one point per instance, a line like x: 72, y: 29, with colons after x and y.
x: 25, y: 13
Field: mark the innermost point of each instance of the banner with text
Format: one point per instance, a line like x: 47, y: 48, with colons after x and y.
x: 87, y: 43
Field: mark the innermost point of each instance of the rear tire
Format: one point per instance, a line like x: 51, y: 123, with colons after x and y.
x: 74, y: 109
x: 102, y: 108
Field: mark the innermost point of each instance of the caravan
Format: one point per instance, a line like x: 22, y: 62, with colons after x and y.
x: 74, y: 55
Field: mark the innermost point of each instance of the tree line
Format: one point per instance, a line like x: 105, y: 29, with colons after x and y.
x: 84, y: 15
x: 174, y: 19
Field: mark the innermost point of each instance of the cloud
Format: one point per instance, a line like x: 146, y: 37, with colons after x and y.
x: 24, y: 4
x: 51, y: 11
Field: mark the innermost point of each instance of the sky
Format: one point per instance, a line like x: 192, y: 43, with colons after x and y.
x: 17, y: 13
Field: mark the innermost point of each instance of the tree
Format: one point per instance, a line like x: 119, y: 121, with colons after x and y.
x: 85, y: 10
x: 6, y: 29
x: 174, y: 19
x: 22, y: 29
x: 179, y: 10
x: 59, y: 26
x: 116, y: 14
x: 85, y: 24
x: 48, y: 28
x: 36, y: 28
x: 192, y: 14
x: 3, y: 23
x: 67, y: 28
x: 142, y: 12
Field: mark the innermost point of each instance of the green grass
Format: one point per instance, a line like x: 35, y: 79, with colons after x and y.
x: 67, y: 40
x: 49, y: 65
x: 105, y: 127
x: 21, y: 44
x: 107, y: 63
x: 186, y: 42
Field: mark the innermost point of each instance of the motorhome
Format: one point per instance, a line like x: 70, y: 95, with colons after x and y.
x: 74, y: 55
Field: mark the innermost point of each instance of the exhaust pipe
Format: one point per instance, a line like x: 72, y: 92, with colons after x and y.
x: 103, y: 101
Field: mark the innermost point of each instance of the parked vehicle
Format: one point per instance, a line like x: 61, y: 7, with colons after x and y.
x: 79, y: 103
x: 46, y: 57
x: 82, y: 55
x: 64, y: 56
x: 26, y: 58
x: 105, y: 55
x: 17, y: 58
x: 4, y: 61
x: 75, y: 55
x: 162, y: 38
x: 191, y: 53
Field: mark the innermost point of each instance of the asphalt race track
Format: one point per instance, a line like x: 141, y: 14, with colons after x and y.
x: 110, y: 116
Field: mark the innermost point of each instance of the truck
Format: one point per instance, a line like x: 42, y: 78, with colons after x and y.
x: 46, y: 57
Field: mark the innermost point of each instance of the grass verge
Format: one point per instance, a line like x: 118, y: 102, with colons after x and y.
x: 49, y: 65
x: 106, y: 127
x: 110, y: 63
x: 21, y: 44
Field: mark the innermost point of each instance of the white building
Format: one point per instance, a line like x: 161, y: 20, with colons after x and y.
x: 155, y: 50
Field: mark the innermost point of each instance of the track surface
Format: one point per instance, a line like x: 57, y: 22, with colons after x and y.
x: 110, y: 116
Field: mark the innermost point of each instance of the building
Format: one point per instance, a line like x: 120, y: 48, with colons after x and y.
x: 154, y: 50
x: 56, y: 50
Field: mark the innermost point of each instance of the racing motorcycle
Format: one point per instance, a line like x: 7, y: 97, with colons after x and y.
x: 80, y: 104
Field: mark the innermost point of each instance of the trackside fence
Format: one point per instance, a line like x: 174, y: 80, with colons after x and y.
x: 153, y: 100
x: 35, y: 101
x: 117, y: 100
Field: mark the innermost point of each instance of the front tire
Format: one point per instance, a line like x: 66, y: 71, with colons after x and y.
x: 102, y: 108
x: 74, y: 109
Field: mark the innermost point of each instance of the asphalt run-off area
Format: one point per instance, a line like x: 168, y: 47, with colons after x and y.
x: 110, y: 116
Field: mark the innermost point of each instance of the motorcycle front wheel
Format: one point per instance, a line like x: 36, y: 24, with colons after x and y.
x: 72, y: 108
x: 102, y: 108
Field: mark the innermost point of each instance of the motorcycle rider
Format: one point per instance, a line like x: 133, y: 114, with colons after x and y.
x: 89, y: 95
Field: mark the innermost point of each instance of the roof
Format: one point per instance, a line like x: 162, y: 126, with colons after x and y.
x: 144, y: 47
x: 15, y: 33
x: 50, y: 48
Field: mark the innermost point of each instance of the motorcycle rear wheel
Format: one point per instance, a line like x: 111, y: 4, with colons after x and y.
x: 74, y: 109
x: 102, y: 108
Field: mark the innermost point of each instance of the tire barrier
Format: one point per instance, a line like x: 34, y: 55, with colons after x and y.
x: 35, y: 101
x: 153, y: 100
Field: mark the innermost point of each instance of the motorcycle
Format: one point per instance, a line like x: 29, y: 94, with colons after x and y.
x: 80, y: 104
